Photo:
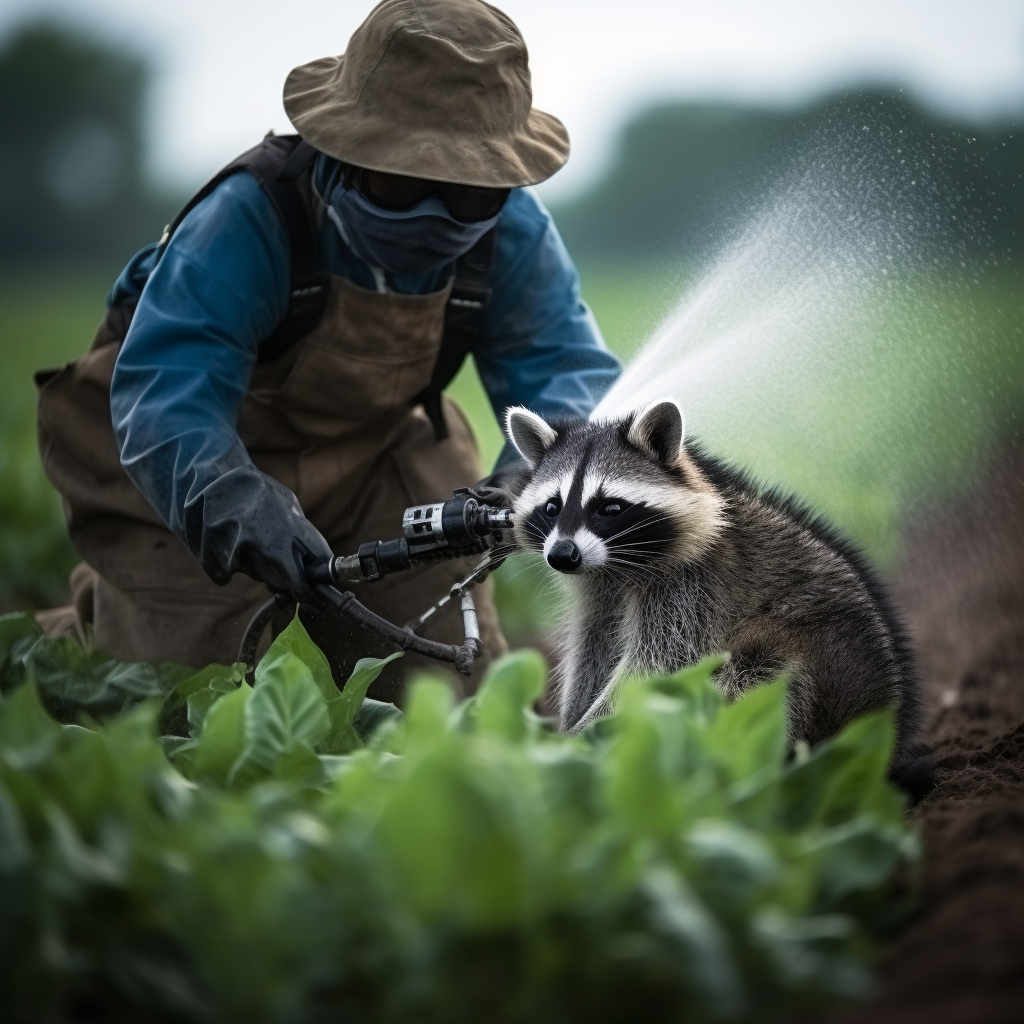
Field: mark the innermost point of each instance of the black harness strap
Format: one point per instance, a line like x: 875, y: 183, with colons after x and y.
x: 277, y: 163
x: 309, y: 284
x: 463, y: 326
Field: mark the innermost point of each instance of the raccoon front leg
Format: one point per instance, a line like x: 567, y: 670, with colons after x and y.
x: 602, y: 703
x: 595, y: 650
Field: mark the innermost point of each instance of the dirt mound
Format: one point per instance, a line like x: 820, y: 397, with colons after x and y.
x: 961, y: 588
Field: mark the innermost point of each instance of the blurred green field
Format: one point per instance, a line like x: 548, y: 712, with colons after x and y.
x: 907, y: 416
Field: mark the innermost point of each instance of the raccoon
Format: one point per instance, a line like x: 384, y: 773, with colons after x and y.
x: 671, y: 555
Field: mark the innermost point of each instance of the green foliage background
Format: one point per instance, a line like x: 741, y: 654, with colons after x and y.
x: 307, y: 856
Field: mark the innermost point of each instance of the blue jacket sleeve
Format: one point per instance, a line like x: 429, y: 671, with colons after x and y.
x: 219, y: 288
x: 542, y: 347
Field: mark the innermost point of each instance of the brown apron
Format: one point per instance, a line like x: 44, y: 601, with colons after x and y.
x: 331, y: 419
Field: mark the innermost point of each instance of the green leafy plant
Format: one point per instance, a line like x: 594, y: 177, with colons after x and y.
x: 286, y: 852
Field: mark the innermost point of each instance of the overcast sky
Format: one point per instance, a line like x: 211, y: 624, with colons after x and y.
x: 221, y: 63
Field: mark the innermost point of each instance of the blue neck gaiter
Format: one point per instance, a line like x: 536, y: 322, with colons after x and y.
x: 406, y: 241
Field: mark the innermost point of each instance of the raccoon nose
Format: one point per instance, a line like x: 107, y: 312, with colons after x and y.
x: 565, y: 556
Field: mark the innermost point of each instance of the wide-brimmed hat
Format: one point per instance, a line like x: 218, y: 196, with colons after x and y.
x: 436, y: 89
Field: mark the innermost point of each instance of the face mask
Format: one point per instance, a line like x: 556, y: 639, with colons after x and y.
x: 403, y: 241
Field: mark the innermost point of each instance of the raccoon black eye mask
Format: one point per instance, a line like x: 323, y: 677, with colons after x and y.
x: 670, y: 555
x: 603, y: 533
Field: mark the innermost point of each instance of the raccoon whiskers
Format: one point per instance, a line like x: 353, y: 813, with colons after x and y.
x: 635, y: 568
x: 532, y: 531
x: 647, y: 523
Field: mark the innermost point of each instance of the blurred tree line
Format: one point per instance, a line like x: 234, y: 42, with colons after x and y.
x: 72, y: 187
x: 73, y: 190
x: 682, y: 172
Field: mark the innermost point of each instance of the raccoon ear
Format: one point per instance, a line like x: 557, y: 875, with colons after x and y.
x: 529, y: 433
x: 658, y: 431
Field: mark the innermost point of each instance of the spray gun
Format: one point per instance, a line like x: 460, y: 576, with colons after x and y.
x: 457, y: 528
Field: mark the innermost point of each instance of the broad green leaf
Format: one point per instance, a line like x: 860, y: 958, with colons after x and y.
x: 844, y: 777
x: 81, y: 860
x: 15, y: 850
x: 199, y: 705
x: 856, y: 856
x: 372, y: 715
x: 735, y: 861
x: 286, y: 707
x: 170, y: 745
x: 74, y: 681
x: 15, y: 627
x: 344, y: 707
x: 181, y: 753
x: 173, y: 714
x: 299, y: 764
x: 28, y: 735
x: 694, y: 686
x: 228, y: 683
x: 223, y: 738
x: 428, y: 712
x: 803, y: 951
x: 507, y: 693
x: 749, y: 734
x: 294, y: 640
x: 638, y: 778
x: 705, y: 957
x: 335, y: 765
x: 145, y: 680
x: 862, y: 786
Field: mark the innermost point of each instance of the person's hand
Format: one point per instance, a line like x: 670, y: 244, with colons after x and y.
x: 501, y: 487
x: 247, y: 522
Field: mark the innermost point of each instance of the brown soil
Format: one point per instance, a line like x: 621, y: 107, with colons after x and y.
x: 961, y: 588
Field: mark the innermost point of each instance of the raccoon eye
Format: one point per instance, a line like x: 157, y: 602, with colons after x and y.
x: 613, y: 507
x: 553, y: 507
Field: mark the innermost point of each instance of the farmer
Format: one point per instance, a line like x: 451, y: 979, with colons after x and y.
x: 266, y: 385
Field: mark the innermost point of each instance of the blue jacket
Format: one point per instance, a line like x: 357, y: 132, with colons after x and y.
x: 221, y: 286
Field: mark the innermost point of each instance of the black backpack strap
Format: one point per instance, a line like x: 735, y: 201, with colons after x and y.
x: 463, y: 326
x: 309, y: 284
x: 278, y: 163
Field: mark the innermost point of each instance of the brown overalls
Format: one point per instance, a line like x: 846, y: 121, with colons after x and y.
x: 331, y: 419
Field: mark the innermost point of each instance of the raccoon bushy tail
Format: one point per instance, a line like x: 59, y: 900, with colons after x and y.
x: 914, y: 772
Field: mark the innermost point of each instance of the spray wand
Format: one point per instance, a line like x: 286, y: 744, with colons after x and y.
x: 457, y: 528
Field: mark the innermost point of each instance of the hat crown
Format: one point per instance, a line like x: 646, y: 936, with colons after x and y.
x: 459, y: 64
x: 433, y: 88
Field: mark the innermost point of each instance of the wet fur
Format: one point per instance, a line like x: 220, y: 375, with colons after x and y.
x: 712, y: 562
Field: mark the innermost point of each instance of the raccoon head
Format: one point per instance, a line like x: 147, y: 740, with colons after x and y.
x: 617, y: 497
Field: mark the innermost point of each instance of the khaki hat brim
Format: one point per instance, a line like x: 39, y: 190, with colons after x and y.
x: 354, y: 132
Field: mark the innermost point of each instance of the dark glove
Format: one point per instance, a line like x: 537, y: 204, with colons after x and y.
x: 247, y: 522
x: 502, y: 486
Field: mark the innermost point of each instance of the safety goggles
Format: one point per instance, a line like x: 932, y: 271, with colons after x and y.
x: 398, y: 192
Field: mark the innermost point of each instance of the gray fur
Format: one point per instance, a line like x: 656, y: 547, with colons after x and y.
x: 720, y: 565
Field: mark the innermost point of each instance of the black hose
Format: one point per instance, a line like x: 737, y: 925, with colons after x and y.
x: 257, y: 624
x: 346, y: 604
x: 460, y: 656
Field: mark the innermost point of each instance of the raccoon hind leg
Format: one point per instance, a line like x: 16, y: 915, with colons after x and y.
x: 747, y: 667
